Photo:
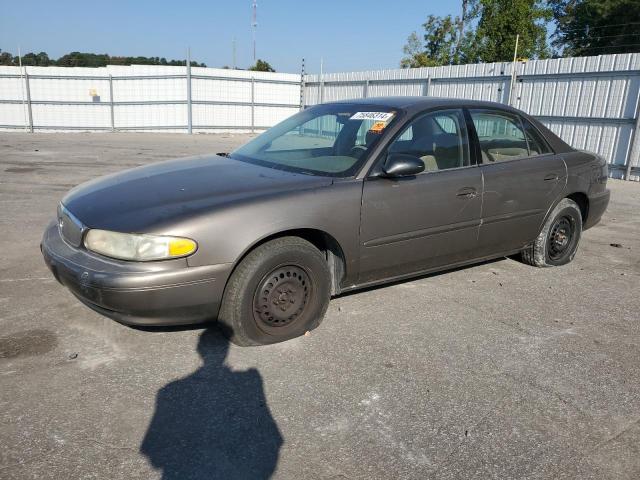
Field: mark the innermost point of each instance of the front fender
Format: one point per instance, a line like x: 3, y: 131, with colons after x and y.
x: 226, y: 234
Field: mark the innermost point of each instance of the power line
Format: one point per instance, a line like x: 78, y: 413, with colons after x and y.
x: 588, y: 28
x: 254, y: 25
x: 609, y: 46
x: 635, y: 34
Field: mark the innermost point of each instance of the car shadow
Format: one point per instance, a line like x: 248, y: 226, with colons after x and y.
x: 214, y: 423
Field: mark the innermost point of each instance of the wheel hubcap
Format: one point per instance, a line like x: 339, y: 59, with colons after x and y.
x: 560, y: 237
x: 281, y: 296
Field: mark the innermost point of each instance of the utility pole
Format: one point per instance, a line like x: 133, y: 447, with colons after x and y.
x: 254, y: 25
x: 22, y: 82
x: 321, y: 80
x: 233, y: 43
x: 302, y: 87
x: 513, y: 71
x: 189, y: 106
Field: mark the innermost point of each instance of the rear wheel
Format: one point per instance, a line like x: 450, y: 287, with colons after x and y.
x: 558, y: 241
x: 279, y: 291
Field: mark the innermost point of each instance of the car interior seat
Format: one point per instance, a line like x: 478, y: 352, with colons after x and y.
x: 438, y: 150
x: 501, y: 149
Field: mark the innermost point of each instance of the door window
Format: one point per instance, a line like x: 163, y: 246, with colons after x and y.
x: 500, y: 135
x: 537, y: 144
x: 439, y: 139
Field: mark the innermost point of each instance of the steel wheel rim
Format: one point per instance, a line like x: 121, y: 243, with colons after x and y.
x: 560, y: 237
x: 282, y: 296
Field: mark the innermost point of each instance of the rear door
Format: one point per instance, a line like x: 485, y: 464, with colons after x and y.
x: 429, y: 220
x: 522, y: 178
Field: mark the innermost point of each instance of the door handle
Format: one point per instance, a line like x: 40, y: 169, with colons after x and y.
x: 551, y: 177
x: 467, y: 192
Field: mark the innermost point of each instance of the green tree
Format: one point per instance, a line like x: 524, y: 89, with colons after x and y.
x: 440, y: 45
x: 415, y: 56
x: 43, y: 59
x: 441, y: 37
x: 596, y: 27
x: 501, y: 20
x: 446, y: 39
x: 6, y: 58
x: 40, y: 59
x: 484, y: 32
x: 262, y: 66
x: 79, y: 59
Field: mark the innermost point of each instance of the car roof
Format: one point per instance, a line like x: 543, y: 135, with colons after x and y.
x: 414, y: 105
x: 422, y: 103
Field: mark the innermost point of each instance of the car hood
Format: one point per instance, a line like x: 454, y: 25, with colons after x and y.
x: 152, y: 196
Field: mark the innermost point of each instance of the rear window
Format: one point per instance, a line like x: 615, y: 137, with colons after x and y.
x: 537, y: 144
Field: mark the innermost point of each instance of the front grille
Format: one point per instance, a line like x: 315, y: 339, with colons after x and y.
x: 70, y: 227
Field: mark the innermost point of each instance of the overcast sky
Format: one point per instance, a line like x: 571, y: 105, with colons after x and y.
x: 348, y: 34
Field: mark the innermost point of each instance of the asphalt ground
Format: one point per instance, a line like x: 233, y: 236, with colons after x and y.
x: 499, y: 370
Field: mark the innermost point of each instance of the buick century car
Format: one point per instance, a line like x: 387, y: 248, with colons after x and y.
x: 337, y: 197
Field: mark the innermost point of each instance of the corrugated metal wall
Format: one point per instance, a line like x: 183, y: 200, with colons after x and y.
x: 590, y: 102
x: 145, y: 98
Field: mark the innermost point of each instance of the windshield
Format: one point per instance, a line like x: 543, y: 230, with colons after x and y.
x: 329, y: 140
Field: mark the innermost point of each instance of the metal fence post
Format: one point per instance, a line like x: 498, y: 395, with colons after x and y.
x: 365, y: 92
x: 427, y: 86
x: 253, y: 105
x: 512, y: 83
x: 635, y: 141
x: 302, y: 87
x: 189, y: 110
x: 113, y: 124
x: 322, y: 90
x: 28, y: 90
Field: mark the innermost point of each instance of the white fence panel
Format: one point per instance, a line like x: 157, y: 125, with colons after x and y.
x: 591, y: 102
x: 141, y: 97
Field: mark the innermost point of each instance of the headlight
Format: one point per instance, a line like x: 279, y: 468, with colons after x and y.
x: 129, y: 246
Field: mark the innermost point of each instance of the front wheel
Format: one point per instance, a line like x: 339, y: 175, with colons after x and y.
x: 558, y: 241
x: 279, y: 291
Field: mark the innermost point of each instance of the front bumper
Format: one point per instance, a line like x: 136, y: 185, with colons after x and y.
x: 136, y: 293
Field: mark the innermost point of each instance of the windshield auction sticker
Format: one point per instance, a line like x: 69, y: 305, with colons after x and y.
x: 377, y: 127
x: 377, y: 116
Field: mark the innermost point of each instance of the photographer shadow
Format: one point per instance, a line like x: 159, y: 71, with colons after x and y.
x: 213, y: 424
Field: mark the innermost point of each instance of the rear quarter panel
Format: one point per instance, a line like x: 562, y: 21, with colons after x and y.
x: 586, y: 172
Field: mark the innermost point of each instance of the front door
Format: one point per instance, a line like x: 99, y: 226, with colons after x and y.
x: 522, y: 178
x: 418, y: 223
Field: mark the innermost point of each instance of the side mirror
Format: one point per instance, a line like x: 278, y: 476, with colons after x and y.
x: 402, y: 165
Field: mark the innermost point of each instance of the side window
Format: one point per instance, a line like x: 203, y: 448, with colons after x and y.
x: 446, y: 124
x: 439, y: 139
x: 500, y: 135
x: 537, y: 144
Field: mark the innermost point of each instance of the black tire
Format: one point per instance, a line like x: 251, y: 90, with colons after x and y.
x: 558, y: 241
x: 279, y: 291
